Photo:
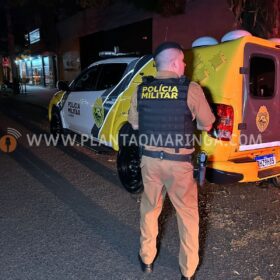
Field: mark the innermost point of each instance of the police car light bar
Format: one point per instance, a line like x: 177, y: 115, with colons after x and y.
x: 116, y: 52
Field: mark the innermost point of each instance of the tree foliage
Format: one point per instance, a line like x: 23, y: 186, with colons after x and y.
x: 260, y: 17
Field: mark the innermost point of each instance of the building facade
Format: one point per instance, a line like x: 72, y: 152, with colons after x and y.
x: 60, y: 50
x: 84, y: 35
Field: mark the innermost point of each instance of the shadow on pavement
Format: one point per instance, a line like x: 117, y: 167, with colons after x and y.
x: 123, y: 238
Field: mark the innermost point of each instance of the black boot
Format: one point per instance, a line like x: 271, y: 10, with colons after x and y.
x: 146, y: 268
x: 187, y: 278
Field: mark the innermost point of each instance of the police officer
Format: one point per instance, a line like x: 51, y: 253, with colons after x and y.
x: 163, y: 110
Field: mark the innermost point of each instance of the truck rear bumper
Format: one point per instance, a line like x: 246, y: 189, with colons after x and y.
x: 231, y: 172
x: 222, y: 177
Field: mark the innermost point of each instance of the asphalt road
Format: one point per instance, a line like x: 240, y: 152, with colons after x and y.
x: 65, y: 215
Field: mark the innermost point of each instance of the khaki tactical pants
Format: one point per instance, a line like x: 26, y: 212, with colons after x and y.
x: 177, y: 177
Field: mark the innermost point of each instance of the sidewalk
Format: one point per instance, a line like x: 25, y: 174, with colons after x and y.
x: 36, y: 95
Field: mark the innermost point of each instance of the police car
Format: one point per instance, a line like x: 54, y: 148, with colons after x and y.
x: 96, y: 104
x: 239, y: 76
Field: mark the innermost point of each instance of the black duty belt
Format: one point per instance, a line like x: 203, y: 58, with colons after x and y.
x: 167, y: 156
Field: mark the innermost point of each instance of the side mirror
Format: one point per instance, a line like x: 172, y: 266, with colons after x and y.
x: 61, y: 85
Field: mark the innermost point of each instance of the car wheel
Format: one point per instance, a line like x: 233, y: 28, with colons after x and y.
x: 128, y: 164
x: 275, y: 181
x: 56, y: 128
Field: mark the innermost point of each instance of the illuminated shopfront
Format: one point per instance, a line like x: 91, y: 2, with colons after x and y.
x: 37, y: 70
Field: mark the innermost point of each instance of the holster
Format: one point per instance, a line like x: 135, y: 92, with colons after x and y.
x: 200, y: 170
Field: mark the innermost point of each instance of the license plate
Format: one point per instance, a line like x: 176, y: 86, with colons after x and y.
x: 266, y: 160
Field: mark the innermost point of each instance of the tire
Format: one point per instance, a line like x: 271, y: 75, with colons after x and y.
x: 275, y: 181
x: 128, y: 164
x: 56, y: 127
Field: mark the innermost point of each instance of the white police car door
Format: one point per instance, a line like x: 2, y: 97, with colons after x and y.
x: 84, y: 108
x: 77, y: 111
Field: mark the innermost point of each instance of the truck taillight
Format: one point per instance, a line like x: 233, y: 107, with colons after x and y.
x: 223, y: 126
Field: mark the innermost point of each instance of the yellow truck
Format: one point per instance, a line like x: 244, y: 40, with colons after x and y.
x: 240, y: 78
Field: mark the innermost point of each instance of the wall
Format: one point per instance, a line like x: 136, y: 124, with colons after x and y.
x: 69, y: 59
x: 130, y: 38
x: 94, y: 20
x: 89, y: 22
x: 201, y: 18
